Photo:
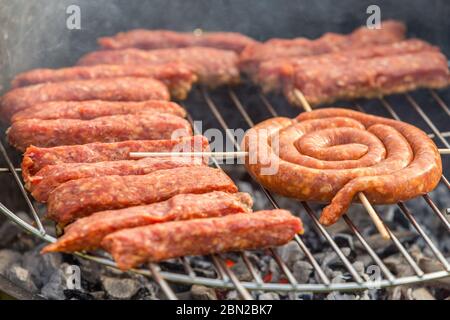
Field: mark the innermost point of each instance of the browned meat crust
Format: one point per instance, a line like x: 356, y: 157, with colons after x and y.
x: 82, y: 197
x: 390, y: 32
x: 116, y: 89
x: 157, y: 242
x: 179, y: 77
x: 332, y: 154
x: 36, y: 158
x: 58, y: 132
x: 87, y: 233
x: 160, y: 39
x: 50, y: 177
x: 87, y: 110
x: 214, y: 67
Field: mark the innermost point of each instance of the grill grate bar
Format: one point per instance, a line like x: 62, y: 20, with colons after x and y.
x: 427, y: 239
x: 221, y: 266
x: 297, y: 239
x: 22, y: 189
x: 437, y: 211
x: 430, y: 202
x: 424, y: 116
x: 440, y: 102
x: 251, y: 268
x: 154, y: 269
x: 369, y: 249
x: 227, y: 279
x: 225, y: 127
x: 237, y: 284
x: 348, y: 221
x: 332, y: 243
x: 339, y: 252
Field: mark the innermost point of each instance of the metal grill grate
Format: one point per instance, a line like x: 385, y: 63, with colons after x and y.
x: 225, y: 276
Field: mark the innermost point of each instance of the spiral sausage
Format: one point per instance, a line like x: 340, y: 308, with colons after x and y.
x: 332, y: 154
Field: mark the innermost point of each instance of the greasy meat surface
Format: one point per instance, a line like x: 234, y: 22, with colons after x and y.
x: 390, y: 32
x: 115, y: 89
x: 332, y: 154
x: 179, y: 77
x: 35, y: 158
x: 160, y: 39
x: 327, y: 81
x: 273, y: 73
x: 87, y: 110
x: 50, y: 177
x: 157, y: 242
x: 82, y: 197
x: 214, y: 67
x: 58, y: 132
x: 87, y: 233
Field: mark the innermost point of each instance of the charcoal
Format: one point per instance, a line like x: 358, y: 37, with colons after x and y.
x: 77, y: 295
x: 41, y: 266
x: 300, y: 296
x: 7, y: 258
x: 269, y: 296
x: 344, y: 240
x: 56, y: 284
x: 241, y: 271
x: 118, y: 288
x: 302, y: 271
x: 419, y: 294
x: 199, y: 292
x: 290, y: 253
x: 340, y: 296
x: 21, y: 277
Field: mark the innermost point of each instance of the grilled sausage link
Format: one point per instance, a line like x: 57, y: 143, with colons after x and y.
x: 36, y: 158
x: 87, y: 110
x: 332, y: 154
x: 82, y: 197
x: 87, y: 233
x: 113, y: 89
x: 262, y: 229
x: 50, y: 177
x: 179, y: 77
x: 59, y: 132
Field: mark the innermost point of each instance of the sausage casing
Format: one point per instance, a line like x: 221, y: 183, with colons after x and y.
x: 82, y: 197
x: 115, y: 89
x: 157, y: 242
x: 87, y: 233
x: 332, y: 154
x: 59, y: 132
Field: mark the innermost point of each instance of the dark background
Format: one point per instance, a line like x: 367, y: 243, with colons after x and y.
x: 34, y: 34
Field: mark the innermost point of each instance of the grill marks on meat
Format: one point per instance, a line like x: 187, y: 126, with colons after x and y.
x: 82, y: 197
x: 159, y: 39
x: 179, y: 77
x: 214, y: 67
x: 35, y: 158
x: 115, y: 89
x: 87, y: 110
x: 157, y: 242
x: 142, y: 126
x: 50, y: 177
x: 390, y: 32
x: 87, y: 233
x: 332, y: 154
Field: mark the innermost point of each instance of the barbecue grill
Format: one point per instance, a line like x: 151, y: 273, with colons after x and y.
x: 244, y: 106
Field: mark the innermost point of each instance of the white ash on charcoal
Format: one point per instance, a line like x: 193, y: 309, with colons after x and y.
x: 118, y: 288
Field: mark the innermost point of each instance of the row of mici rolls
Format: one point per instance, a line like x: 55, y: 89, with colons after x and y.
x: 78, y: 126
